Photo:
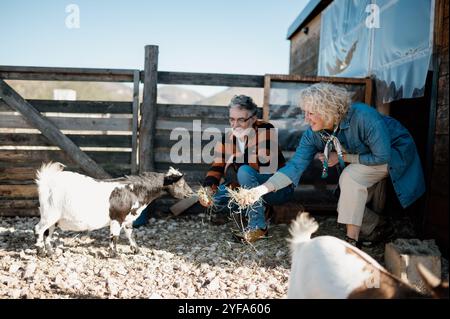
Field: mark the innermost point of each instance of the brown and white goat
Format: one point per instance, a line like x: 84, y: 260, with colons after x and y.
x: 326, y: 267
x: 77, y: 202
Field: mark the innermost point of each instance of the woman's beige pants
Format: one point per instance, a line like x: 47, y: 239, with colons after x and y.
x: 359, y: 184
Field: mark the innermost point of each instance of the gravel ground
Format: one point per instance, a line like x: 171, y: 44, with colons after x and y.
x: 184, y: 257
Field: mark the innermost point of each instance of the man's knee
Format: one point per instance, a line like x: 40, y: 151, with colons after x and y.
x: 246, y: 174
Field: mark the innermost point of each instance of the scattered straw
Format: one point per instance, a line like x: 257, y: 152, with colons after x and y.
x: 242, y: 202
x: 206, y: 196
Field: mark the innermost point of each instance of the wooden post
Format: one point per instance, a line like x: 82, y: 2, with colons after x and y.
x: 50, y: 131
x: 148, y: 110
x: 134, y: 150
x: 266, y: 102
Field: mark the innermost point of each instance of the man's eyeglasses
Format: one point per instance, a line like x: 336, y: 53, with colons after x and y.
x: 240, y: 120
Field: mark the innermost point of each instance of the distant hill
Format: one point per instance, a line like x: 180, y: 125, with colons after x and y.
x: 224, y: 97
x: 170, y: 94
x: 101, y: 91
x: 95, y: 91
x: 107, y: 91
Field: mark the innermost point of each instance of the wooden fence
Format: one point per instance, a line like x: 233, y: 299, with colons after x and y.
x: 104, y: 138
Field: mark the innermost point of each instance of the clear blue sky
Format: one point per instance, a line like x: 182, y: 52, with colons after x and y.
x: 246, y: 36
x: 218, y: 36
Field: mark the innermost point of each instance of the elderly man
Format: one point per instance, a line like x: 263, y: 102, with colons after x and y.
x: 247, y: 156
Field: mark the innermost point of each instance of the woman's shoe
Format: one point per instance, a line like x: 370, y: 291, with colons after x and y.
x: 353, y: 242
x: 381, y: 233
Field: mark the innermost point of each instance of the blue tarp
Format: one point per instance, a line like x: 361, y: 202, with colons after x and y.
x: 390, y: 40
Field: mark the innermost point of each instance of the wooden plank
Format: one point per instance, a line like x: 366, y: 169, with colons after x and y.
x: 18, y: 203
x: 17, y: 173
x: 316, y: 79
x: 26, y: 175
x: 22, y: 139
x: 75, y: 106
x: 183, y: 205
x: 134, y: 150
x: 189, y: 125
x: 210, y: 79
x: 148, y: 110
x: 368, y: 91
x: 50, y: 131
x: 18, y: 191
x: 31, y: 157
x: 266, y: 111
x: 70, y: 123
x: 65, y: 74
x: 204, y: 112
x: 20, y: 212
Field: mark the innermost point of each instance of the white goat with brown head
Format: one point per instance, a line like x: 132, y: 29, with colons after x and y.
x: 77, y: 202
x: 326, y: 267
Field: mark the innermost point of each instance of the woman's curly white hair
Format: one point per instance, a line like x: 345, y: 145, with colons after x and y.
x: 330, y: 102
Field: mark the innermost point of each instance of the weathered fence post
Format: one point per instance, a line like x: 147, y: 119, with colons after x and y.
x: 148, y: 110
x: 134, y: 149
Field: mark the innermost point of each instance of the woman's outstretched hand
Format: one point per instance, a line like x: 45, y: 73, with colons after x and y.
x: 248, y: 197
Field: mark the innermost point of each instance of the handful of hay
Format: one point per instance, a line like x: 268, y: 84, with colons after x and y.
x: 244, y: 198
x: 205, y: 196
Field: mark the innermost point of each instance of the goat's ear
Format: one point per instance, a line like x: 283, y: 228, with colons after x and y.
x: 169, y: 180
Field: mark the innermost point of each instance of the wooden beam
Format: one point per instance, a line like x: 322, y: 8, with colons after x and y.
x: 211, y: 79
x: 22, y: 139
x: 18, y: 191
x: 368, y: 91
x: 316, y: 79
x: 148, y: 110
x: 134, y: 150
x: 70, y: 123
x: 33, y: 157
x: 203, y: 112
x: 266, y: 102
x: 50, y: 131
x: 65, y: 74
x: 75, y: 106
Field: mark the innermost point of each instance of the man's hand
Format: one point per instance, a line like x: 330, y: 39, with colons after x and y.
x: 205, y: 197
x: 248, y: 197
x: 332, y: 158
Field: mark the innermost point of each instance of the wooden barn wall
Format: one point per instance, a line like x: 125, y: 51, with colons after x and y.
x: 436, y: 221
x: 304, y: 51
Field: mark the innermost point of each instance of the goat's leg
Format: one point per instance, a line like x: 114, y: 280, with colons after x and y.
x: 39, y: 230
x: 47, y: 240
x: 114, y: 230
x: 128, y: 228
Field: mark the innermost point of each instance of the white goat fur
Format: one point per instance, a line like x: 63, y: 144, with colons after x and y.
x: 76, y: 202
x: 326, y: 267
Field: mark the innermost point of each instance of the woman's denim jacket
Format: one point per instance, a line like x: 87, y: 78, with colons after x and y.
x: 378, y: 139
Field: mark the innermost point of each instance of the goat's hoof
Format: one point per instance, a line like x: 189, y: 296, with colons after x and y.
x: 50, y: 253
x: 135, y: 249
x: 112, y: 253
x: 40, y: 251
